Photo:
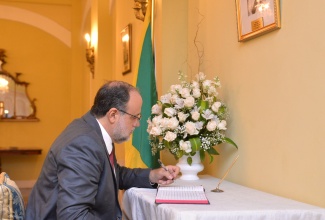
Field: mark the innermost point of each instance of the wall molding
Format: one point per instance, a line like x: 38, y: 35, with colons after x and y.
x: 31, y: 18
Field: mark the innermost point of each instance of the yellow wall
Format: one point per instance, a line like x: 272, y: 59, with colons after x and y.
x: 45, y: 63
x: 274, y: 88
x: 40, y: 43
x: 53, y: 61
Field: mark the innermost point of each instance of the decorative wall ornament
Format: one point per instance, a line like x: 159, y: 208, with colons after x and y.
x: 126, y: 38
x: 140, y: 9
x: 90, y: 55
x: 2, y: 58
x: 15, y: 104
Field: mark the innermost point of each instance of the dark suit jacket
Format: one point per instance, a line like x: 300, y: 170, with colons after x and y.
x: 77, y: 180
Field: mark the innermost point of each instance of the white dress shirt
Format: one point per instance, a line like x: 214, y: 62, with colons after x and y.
x: 107, y: 138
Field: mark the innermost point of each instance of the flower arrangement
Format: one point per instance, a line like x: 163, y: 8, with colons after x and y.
x: 189, y: 118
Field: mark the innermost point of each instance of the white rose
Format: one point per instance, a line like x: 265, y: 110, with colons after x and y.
x: 212, y: 91
x: 170, y: 136
x: 200, y: 76
x: 179, y: 103
x: 206, y: 84
x: 215, y: 107
x: 199, y: 125
x: 190, y: 128
x: 164, y: 123
x: 195, y: 85
x: 166, y: 98
x: 212, y: 125
x: 182, y: 117
x: 157, y: 120
x: 222, y: 125
x: 196, y: 92
x: 195, y: 115
x: 172, y: 123
x: 185, y: 92
x: 156, y: 131
x: 149, y: 125
x: 207, y: 114
x: 174, y: 99
x: 185, y: 146
x: 156, y: 109
x: 170, y: 112
x: 189, y: 102
x: 175, y: 88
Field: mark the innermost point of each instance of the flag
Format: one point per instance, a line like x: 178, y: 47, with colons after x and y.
x: 138, y: 151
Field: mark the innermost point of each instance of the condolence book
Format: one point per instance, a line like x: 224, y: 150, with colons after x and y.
x: 181, y: 195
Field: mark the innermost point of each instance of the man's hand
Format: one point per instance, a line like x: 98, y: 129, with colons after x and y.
x: 164, y: 176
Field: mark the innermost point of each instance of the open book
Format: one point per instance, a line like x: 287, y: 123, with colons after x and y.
x: 181, y: 195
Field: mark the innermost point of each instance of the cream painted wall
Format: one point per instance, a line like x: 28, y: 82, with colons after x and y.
x: 274, y: 88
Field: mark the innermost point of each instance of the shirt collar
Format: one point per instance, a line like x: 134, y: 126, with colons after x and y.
x: 106, y: 137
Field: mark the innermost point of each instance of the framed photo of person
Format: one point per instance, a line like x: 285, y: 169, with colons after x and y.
x: 257, y: 17
x: 126, y: 38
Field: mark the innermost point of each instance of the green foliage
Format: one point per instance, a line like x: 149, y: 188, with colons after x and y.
x: 189, y: 160
x: 229, y: 141
x: 195, y: 144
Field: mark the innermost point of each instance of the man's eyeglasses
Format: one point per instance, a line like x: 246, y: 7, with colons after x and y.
x: 133, y: 116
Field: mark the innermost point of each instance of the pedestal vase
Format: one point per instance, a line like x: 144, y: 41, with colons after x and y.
x: 189, y: 172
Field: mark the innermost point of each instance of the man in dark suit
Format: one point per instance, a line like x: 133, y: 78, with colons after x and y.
x: 77, y: 180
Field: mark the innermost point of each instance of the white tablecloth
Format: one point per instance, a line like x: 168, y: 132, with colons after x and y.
x: 235, y: 203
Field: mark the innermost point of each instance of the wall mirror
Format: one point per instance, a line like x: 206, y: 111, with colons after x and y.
x: 15, y: 104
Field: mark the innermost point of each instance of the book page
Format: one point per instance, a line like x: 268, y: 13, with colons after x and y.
x: 181, y: 195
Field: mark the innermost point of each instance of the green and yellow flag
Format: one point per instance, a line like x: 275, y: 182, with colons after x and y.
x: 138, y: 153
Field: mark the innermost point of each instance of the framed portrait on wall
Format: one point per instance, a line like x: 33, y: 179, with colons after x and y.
x: 126, y: 37
x: 257, y: 17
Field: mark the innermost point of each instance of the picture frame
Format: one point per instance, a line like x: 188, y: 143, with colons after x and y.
x: 257, y: 17
x: 126, y: 37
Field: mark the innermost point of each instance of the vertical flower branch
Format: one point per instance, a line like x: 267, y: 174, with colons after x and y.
x: 200, y: 53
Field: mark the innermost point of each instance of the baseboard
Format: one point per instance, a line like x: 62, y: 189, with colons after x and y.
x: 25, y: 183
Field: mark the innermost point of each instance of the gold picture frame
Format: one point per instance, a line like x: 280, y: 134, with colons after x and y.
x: 257, y: 17
x: 126, y: 37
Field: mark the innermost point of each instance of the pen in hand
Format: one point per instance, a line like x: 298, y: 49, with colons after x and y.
x: 163, y: 166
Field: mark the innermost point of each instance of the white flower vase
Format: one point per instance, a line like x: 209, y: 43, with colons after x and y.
x: 189, y: 172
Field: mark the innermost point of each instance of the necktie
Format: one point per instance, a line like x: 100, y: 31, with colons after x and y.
x: 111, y: 156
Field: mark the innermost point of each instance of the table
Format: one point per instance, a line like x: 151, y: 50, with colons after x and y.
x: 10, y: 151
x: 235, y: 203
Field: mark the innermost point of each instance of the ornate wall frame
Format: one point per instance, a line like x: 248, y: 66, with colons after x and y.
x: 257, y: 17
